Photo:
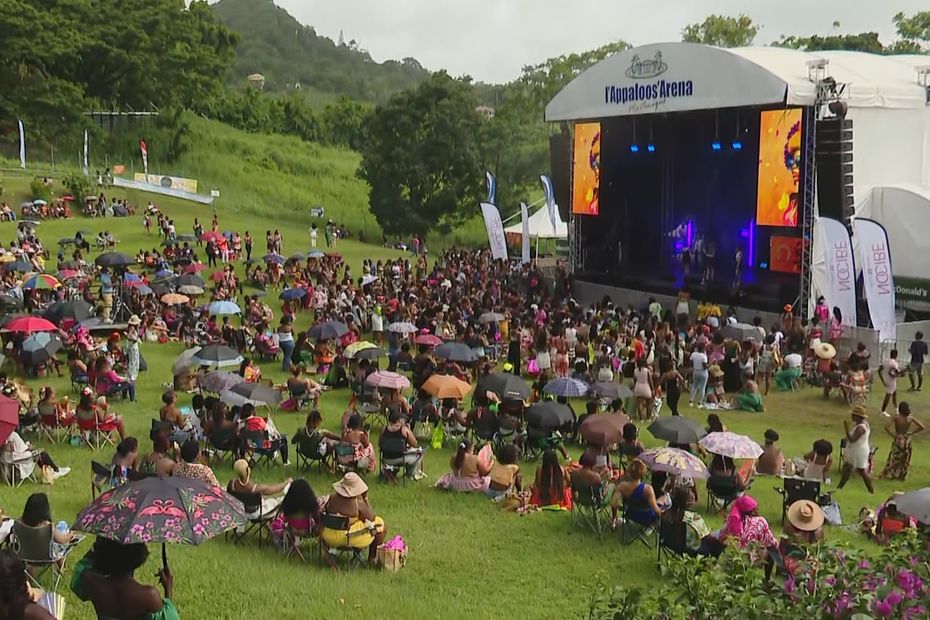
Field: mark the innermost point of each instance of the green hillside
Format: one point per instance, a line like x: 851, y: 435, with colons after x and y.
x: 286, y: 52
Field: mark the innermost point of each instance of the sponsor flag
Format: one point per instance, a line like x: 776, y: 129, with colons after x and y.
x: 22, y: 146
x: 875, y: 254
x: 145, y: 156
x: 492, y: 188
x: 840, y: 266
x: 525, y: 255
x: 86, y: 165
x: 550, y: 199
x: 495, y: 228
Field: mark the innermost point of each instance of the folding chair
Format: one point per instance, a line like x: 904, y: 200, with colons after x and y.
x: 293, y: 539
x: 343, y: 452
x: 256, y: 452
x: 78, y: 381
x: 631, y: 530
x: 671, y: 539
x: 259, y: 521
x: 56, y: 430
x: 310, y: 451
x: 17, y: 470
x: 393, y: 470
x: 723, y: 490
x: 33, y: 545
x: 353, y: 556
x: 590, y: 507
x: 101, y: 478
x: 95, y: 435
x: 223, y: 444
x: 795, y: 489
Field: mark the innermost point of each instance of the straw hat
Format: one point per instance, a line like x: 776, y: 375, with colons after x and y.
x: 805, y: 515
x: 135, y: 320
x: 241, y: 467
x: 715, y: 371
x: 350, y: 486
x: 825, y: 351
x: 860, y: 411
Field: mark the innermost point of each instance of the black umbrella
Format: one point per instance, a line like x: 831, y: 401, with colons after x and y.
x: 65, y: 241
x: 77, y: 309
x: 609, y: 389
x: 69, y: 264
x: 187, y: 238
x: 370, y: 354
x: 40, y: 347
x: 20, y: 266
x: 190, y: 279
x: 549, y: 414
x: 258, y: 392
x: 161, y: 289
x: 216, y: 355
x: 505, y: 385
x: 676, y: 429
x: 455, y: 352
x: 114, y: 259
x: 8, y: 300
x: 328, y: 330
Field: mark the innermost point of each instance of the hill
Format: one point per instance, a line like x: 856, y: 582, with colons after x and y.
x: 274, y: 44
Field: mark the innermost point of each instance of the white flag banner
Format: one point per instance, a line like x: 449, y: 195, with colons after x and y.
x: 875, y: 254
x: 495, y: 227
x: 550, y: 199
x: 145, y: 157
x: 86, y: 164
x: 524, y: 213
x: 840, y: 266
x: 492, y: 188
x: 22, y: 146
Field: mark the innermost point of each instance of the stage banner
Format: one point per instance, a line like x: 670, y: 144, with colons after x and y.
x: 586, y: 169
x: 496, y: 238
x: 840, y: 266
x: 524, y: 213
x: 550, y: 200
x: 145, y: 156
x: 785, y: 254
x: 492, y: 188
x: 187, y: 185
x: 875, y: 254
x: 22, y: 146
x: 86, y: 166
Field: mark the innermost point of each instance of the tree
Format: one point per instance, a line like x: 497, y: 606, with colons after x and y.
x: 722, y: 31
x: 862, y: 42
x: 914, y: 33
x: 422, y: 159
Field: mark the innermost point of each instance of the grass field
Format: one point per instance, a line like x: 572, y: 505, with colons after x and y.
x: 467, y: 559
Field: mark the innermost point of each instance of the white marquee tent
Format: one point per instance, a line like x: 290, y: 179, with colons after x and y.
x: 541, y: 226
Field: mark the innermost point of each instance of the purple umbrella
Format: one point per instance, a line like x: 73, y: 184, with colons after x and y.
x: 675, y: 461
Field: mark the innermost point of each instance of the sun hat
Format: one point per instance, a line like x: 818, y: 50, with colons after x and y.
x: 350, y: 486
x: 241, y: 467
x: 825, y: 351
x: 135, y: 320
x: 805, y: 515
x: 715, y: 371
x: 860, y: 411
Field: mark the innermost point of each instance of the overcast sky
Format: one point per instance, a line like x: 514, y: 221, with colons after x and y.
x: 491, y: 40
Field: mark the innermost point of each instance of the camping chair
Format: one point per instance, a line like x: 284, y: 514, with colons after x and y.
x: 223, y: 444
x: 538, y: 440
x: 19, y: 469
x: 101, y: 478
x: 396, y: 470
x: 795, y: 489
x: 722, y: 490
x: 95, y: 434
x: 293, y: 538
x: 78, y: 381
x: 258, y: 521
x: 56, y: 430
x: 353, y: 556
x: 631, y: 530
x: 257, y: 453
x: 671, y: 540
x: 343, y: 453
x: 33, y: 545
x: 589, y: 506
x: 309, y: 451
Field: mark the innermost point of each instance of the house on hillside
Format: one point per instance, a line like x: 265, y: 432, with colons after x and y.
x: 486, y: 112
x: 257, y: 81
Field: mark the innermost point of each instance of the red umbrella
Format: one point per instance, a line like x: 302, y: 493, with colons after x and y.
x: 211, y: 236
x: 195, y: 268
x: 30, y: 324
x: 9, y: 417
x: 429, y: 340
x: 67, y: 198
x: 217, y: 276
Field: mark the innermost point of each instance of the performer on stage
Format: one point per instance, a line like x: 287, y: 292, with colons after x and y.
x: 710, y: 255
x: 738, y: 269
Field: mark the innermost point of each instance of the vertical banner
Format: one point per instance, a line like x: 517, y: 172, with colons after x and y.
x: 550, y: 199
x: 840, y: 266
x: 495, y: 228
x: 492, y: 188
x: 22, y: 146
x: 525, y: 254
x: 145, y: 157
x: 875, y: 254
x: 86, y: 165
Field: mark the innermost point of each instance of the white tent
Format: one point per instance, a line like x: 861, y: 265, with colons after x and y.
x: 541, y: 226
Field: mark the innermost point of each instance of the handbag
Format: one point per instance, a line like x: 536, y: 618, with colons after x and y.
x: 423, y: 430
x: 392, y: 560
x: 532, y: 367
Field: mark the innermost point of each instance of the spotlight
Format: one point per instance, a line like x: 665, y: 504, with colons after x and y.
x: 737, y: 145
x: 634, y: 148
x: 715, y: 146
x: 651, y: 148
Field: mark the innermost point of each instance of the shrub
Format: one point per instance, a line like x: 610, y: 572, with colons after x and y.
x: 39, y: 190
x: 79, y: 186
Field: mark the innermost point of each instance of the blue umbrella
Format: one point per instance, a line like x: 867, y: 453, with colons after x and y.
x: 274, y: 258
x: 293, y: 293
x: 164, y: 273
x: 131, y: 277
x: 224, y: 307
x: 41, y: 347
x: 144, y: 290
x: 566, y: 386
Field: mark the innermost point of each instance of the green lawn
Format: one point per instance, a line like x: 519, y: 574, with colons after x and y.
x: 467, y: 559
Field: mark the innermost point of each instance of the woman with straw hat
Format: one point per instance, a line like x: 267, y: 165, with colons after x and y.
x: 350, y: 499
x: 857, y: 451
x: 805, y: 522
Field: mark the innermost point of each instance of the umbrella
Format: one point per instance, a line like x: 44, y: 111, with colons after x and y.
x: 237, y: 400
x: 293, y: 293
x: 675, y: 461
x: 505, y: 385
x: 316, y: 254
x: 68, y: 274
x: 65, y: 241
x: 41, y: 281
x: 352, y: 350
x: 164, y: 274
x: 161, y: 510
x: 731, y: 445
x: 370, y: 354
x: 190, y: 289
x: 217, y: 276
x: 160, y: 289
x: 456, y: 352
x: 403, y: 328
x: 273, y: 258
x: 191, y: 279
x: 7, y: 258
x: 549, y: 414
x: 211, y: 236
x: 67, y: 198
x: 41, y: 347
x: 30, y: 324
x: 40, y: 202
x: 387, y: 380
x: 257, y: 392
x: 566, y: 386
x: 9, y: 417
x: 186, y: 237
x: 216, y: 355
x: 131, y: 278
x: 11, y: 301
x: 328, y: 330
x: 609, y: 389
x: 114, y: 259
x: 296, y: 256
x: 447, y: 386
x: 76, y: 309
x: 91, y: 323
x: 368, y: 279
x: 219, y: 380
x: 184, y: 361
x: 173, y: 299
x: 26, y: 204
x: 20, y: 266
x: 224, y: 307
x: 915, y: 504
x: 428, y: 340
x: 603, y: 429
x: 740, y: 332
x: 195, y: 268
x: 491, y: 317
x: 676, y: 429
x: 144, y: 290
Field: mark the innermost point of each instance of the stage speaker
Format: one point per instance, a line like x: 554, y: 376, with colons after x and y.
x: 560, y: 161
x: 834, y: 160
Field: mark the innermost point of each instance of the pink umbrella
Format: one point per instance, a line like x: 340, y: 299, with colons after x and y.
x: 731, y: 445
x: 194, y: 268
x: 429, y: 340
x: 211, y: 236
x: 387, y: 380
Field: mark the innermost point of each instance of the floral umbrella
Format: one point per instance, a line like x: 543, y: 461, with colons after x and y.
x: 161, y: 510
x: 403, y: 327
x: 353, y: 349
x: 731, y: 445
x: 675, y: 461
x: 429, y: 340
x: 387, y: 380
